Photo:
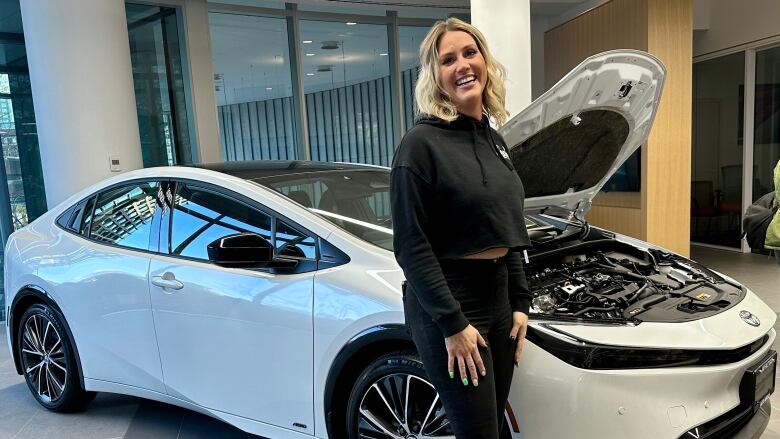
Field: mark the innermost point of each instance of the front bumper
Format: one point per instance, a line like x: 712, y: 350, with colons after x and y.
x: 553, y: 399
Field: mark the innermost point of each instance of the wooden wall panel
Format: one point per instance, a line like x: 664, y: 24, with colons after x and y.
x: 625, y: 220
x: 666, y: 164
x: 660, y: 214
x: 618, y: 24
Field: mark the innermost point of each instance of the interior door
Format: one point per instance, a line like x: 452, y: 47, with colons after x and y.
x: 234, y: 340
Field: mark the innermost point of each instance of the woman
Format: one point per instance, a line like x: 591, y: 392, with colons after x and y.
x: 457, y: 207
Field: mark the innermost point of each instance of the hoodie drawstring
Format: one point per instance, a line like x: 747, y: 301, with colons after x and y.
x: 474, y: 148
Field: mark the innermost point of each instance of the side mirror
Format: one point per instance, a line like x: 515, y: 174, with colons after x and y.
x: 241, y: 250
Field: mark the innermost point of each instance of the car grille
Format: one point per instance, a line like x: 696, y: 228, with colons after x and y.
x: 587, y: 355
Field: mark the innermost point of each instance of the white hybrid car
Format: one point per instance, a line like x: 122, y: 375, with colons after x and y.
x: 266, y: 294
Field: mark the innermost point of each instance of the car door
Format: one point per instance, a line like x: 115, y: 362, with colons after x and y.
x: 234, y: 340
x: 100, y: 272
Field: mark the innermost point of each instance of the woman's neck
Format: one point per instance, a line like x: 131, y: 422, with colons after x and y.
x: 473, y: 111
x: 474, y: 114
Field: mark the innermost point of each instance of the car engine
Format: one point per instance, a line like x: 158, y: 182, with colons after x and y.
x: 605, y: 279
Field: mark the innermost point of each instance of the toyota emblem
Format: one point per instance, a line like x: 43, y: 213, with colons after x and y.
x: 749, y: 318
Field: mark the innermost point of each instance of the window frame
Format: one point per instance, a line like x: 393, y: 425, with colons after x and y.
x: 67, y: 214
x: 164, y: 243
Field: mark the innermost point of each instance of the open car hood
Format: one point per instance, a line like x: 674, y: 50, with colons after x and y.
x: 569, y: 141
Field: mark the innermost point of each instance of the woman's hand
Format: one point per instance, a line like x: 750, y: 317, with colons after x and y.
x: 463, y: 347
x: 518, y: 332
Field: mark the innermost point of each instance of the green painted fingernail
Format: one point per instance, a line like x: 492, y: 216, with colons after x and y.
x: 452, y: 375
x: 465, y: 382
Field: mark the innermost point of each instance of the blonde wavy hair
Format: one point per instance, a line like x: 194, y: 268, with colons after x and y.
x: 430, y: 95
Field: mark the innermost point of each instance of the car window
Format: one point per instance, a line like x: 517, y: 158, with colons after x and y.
x: 86, y: 218
x: 291, y: 242
x: 356, y: 201
x: 307, y: 193
x: 123, y: 215
x: 201, y: 216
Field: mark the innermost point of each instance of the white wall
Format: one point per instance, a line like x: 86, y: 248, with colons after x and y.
x: 82, y: 85
x: 507, y: 28
x: 733, y: 23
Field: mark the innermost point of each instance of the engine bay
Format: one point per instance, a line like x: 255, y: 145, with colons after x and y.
x: 599, y: 278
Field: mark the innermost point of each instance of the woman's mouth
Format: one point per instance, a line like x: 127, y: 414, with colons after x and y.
x: 466, y: 81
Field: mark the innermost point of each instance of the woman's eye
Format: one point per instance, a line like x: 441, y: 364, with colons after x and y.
x: 471, y: 52
x: 447, y: 60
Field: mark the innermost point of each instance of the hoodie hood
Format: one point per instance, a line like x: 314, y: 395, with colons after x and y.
x: 477, y: 128
x: 569, y: 141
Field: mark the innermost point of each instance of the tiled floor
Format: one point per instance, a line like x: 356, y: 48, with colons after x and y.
x: 116, y: 416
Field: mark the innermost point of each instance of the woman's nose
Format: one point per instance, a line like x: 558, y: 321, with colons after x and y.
x: 461, y: 65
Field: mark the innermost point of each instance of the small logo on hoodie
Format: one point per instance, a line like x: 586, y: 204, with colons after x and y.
x: 503, y: 153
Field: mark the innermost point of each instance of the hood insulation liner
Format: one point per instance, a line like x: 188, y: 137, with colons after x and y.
x: 566, y: 156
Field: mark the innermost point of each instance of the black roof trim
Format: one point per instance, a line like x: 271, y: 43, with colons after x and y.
x: 257, y: 169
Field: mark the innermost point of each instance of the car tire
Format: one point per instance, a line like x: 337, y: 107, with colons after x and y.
x: 392, y: 375
x: 48, y: 360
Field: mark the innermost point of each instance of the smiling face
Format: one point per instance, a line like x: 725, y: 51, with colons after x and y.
x: 462, y: 72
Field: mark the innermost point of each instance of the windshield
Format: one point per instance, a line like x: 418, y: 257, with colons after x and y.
x: 357, y: 200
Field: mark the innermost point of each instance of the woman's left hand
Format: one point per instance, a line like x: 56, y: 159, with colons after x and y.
x: 518, y: 332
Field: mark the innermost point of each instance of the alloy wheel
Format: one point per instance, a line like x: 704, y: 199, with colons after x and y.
x: 43, y: 358
x: 402, y: 406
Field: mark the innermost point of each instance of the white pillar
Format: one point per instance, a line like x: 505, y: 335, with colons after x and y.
x: 79, y: 59
x: 507, y: 27
x: 204, y: 98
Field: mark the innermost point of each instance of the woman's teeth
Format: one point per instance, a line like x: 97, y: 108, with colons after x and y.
x: 465, y: 80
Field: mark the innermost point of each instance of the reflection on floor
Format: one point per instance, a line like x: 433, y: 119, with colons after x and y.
x: 116, y: 416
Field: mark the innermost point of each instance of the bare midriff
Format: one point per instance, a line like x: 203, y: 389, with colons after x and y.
x: 491, y: 253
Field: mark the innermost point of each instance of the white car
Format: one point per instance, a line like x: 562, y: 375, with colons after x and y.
x: 266, y: 294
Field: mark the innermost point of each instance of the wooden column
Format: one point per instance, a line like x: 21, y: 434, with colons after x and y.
x: 660, y: 213
x: 666, y: 162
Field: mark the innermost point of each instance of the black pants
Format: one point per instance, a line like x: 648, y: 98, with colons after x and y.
x: 481, y: 288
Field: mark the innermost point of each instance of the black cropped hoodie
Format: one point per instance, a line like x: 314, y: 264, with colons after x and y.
x: 455, y: 192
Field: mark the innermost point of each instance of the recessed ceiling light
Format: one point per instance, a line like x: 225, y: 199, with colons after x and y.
x: 382, y: 54
x: 351, y: 23
x: 310, y: 54
x: 310, y: 74
x: 306, y: 41
x: 269, y: 88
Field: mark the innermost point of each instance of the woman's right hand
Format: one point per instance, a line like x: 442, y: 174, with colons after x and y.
x: 463, y: 347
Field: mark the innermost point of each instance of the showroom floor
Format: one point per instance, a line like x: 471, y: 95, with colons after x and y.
x: 116, y: 416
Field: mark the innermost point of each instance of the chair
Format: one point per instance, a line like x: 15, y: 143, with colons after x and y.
x: 731, y: 204
x: 703, y: 204
x: 300, y: 197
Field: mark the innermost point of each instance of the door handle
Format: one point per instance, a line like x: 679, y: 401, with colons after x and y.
x: 167, y: 280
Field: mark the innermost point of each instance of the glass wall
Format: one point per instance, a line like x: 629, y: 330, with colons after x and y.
x: 410, y: 38
x: 717, y: 155
x: 766, y: 135
x: 346, y: 83
x: 160, y: 79
x: 254, y: 87
x: 22, y: 196
x: 313, y: 82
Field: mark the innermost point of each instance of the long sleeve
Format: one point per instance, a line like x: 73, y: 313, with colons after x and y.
x: 519, y: 295
x: 410, y: 196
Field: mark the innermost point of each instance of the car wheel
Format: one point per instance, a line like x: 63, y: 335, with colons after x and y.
x: 48, y: 361
x: 393, y: 398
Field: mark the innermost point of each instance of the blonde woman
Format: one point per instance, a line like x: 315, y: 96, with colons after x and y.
x: 457, y: 207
